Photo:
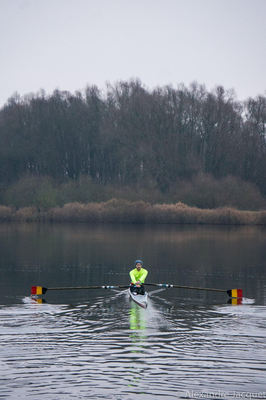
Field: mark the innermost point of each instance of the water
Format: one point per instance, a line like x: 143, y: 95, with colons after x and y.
x: 98, y: 345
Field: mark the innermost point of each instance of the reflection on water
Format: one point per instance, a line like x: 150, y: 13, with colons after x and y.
x: 100, y: 345
x: 111, y: 348
x: 137, y: 318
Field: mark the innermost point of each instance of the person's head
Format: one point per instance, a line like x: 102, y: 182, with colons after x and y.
x: 138, y: 264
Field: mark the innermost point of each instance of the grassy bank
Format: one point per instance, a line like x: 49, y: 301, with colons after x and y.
x: 123, y: 211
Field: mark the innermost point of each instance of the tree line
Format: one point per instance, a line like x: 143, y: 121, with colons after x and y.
x: 130, y: 135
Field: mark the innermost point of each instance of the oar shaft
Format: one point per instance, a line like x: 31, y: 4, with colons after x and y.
x: 39, y: 290
x: 87, y: 287
x: 74, y: 288
x: 167, y: 285
x: 200, y: 288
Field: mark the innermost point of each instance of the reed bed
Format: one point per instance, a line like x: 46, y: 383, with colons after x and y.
x: 6, y: 213
x: 123, y: 211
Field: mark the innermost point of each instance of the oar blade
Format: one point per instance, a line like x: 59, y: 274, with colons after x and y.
x: 235, y: 293
x: 236, y: 296
x: 38, y: 290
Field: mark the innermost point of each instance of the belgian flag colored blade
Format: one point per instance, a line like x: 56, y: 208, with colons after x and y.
x: 235, y: 293
x: 38, y: 290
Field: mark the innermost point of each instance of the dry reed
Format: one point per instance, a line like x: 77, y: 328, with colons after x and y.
x: 124, y: 211
x: 5, y: 213
x: 27, y: 214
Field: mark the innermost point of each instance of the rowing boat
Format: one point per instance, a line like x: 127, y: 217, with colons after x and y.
x: 140, y: 299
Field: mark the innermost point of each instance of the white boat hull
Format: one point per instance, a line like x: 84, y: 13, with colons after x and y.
x: 140, y: 299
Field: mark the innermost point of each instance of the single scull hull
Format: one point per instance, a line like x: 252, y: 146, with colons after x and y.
x: 140, y: 299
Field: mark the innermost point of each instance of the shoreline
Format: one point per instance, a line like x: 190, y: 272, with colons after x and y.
x: 138, y: 212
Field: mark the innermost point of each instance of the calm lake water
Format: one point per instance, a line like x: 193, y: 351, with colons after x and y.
x: 96, y: 344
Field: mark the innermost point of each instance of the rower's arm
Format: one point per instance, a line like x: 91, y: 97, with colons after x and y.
x: 132, y: 276
x: 143, y: 276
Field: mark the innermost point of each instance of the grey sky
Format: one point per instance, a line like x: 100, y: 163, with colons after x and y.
x: 68, y: 44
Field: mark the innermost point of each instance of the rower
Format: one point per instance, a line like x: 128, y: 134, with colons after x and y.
x: 138, y: 276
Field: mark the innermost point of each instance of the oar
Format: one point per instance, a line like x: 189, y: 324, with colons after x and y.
x: 39, y: 290
x: 235, y: 293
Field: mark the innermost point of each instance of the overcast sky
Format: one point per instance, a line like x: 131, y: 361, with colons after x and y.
x: 68, y: 44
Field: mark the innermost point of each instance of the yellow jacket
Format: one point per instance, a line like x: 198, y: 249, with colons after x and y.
x: 136, y: 275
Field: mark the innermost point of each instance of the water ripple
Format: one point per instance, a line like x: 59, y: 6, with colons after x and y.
x: 115, y: 350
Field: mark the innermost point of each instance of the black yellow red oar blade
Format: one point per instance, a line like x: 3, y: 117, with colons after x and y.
x: 236, y: 296
x: 235, y: 293
x: 38, y: 290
